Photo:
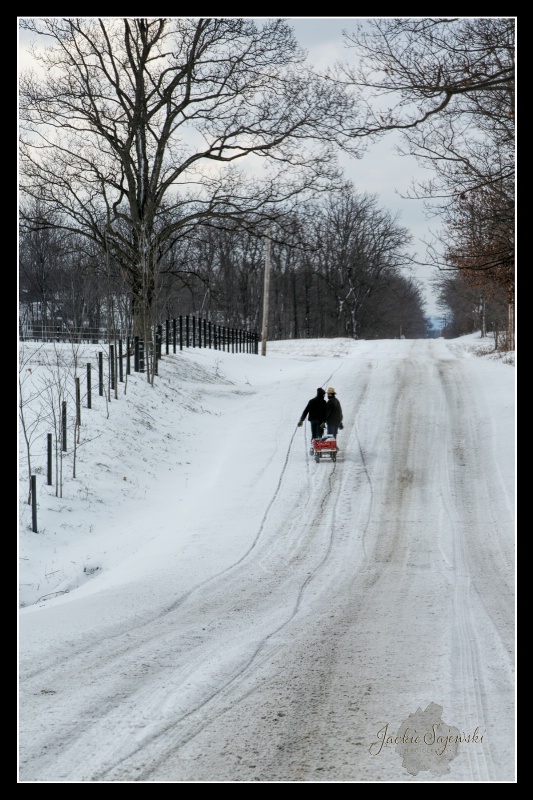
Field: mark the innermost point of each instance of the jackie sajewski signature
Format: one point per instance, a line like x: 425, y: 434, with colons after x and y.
x: 440, y: 737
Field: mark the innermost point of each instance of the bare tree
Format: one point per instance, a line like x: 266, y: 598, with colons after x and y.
x: 448, y: 85
x: 472, y: 305
x: 40, y: 254
x: 30, y: 411
x: 133, y: 128
x: 360, y: 248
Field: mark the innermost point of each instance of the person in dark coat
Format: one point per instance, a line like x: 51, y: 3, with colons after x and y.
x: 316, y: 409
x: 333, y: 413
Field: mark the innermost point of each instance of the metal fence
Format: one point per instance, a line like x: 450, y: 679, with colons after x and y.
x: 174, y: 334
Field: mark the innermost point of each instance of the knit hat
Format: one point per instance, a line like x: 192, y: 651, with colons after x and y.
x: 321, y: 391
x: 331, y: 390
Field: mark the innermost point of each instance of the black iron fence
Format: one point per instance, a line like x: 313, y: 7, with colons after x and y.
x: 173, y: 335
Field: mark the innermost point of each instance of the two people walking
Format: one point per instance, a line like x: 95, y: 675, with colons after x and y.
x: 322, y: 413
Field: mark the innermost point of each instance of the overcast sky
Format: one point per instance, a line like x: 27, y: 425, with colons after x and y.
x: 381, y: 171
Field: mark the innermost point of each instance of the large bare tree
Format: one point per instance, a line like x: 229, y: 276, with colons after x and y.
x: 133, y: 129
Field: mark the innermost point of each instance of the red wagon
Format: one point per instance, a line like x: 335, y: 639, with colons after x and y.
x: 324, y: 448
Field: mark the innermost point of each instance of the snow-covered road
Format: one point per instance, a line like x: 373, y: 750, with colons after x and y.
x: 357, y: 599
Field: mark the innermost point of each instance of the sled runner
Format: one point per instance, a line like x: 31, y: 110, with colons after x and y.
x: 324, y: 448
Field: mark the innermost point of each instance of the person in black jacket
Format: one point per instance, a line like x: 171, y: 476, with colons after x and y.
x: 333, y: 413
x: 316, y: 409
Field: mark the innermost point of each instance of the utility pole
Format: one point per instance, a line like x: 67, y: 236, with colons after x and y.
x: 266, y: 289
x: 483, y: 325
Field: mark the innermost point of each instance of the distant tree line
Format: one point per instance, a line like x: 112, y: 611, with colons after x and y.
x: 337, y: 271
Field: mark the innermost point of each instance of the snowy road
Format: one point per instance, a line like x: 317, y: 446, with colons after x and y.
x: 363, y: 592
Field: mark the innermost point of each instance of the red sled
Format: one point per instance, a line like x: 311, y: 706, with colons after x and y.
x: 324, y: 448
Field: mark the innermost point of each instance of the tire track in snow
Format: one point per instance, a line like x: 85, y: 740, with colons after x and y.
x: 477, y: 541
x: 129, y: 646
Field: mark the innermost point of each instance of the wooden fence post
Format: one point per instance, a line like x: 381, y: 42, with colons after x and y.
x: 89, y: 395
x: 34, y: 504
x: 49, y: 460
x: 112, y: 367
x: 64, y: 424
x: 78, y: 403
x: 100, y: 373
